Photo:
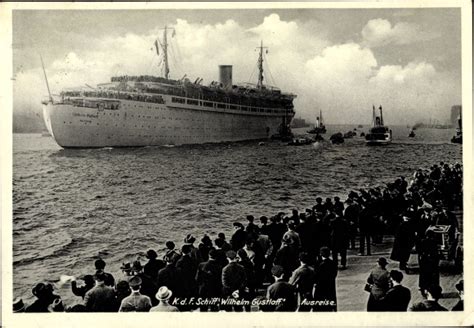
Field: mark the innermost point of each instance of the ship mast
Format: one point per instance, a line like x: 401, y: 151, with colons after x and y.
x: 46, y: 78
x: 381, y: 115
x: 164, y: 47
x: 165, y: 53
x: 260, y: 66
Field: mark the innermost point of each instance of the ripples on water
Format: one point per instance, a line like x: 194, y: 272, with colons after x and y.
x: 71, y: 206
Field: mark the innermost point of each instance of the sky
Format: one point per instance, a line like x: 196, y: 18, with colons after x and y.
x: 340, y: 61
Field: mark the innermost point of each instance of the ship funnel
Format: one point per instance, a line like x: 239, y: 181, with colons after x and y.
x: 225, y: 76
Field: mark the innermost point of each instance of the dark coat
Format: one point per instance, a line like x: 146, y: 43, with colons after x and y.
x: 170, y: 277
x: 396, y: 299
x: 101, y: 298
x: 283, y: 290
x: 238, y: 239
x: 303, y: 279
x: 339, y: 234
x: 187, y: 268
x: 41, y: 304
x: 233, y: 278
x: 429, y: 263
x: 325, y: 280
x: 149, y: 287
x: 404, y: 242
x: 208, y: 278
x: 108, y: 278
x: 153, y: 266
x: 287, y: 257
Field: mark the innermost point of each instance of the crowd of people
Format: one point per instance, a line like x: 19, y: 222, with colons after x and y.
x: 294, y: 258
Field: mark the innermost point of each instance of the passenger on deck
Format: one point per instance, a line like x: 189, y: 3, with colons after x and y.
x: 379, y: 281
x: 136, y: 302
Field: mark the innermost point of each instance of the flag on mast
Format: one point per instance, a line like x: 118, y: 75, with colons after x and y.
x: 157, y: 48
x: 173, y: 34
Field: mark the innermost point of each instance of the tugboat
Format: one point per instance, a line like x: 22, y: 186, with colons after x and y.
x: 320, y: 128
x: 379, y: 134
x: 458, y: 137
x: 411, y: 134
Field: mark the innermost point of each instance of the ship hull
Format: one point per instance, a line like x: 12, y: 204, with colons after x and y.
x: 137, y: 124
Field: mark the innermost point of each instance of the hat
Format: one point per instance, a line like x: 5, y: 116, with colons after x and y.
x: 126, y: 267
x: 151, y: 254
x: 136, y: 266
x: 18, y: 305
x: 41, y: 289
x: 277, y: 270
x: 382, y: 261
x: 163, y: 293
x: 460, y: 285
x: 135, y: 281
x: 231, y: 254
x: 238, y: 224
x: 287, y: 240
x: 189, y: 239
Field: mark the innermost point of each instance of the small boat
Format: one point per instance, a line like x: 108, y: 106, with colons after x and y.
x: 411, y: 134
x: 301, y: 141
x: 320, y: 128
x: 378, y: 134
x: 458, y: 137
x: 337, y: 138
x: 349, y: 134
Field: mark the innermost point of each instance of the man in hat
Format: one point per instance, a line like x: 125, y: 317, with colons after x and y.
x: 187, y: 268
x: 287, y: 257
x: 88, y: 285
x: 460, y: 304
x: 252, y: 228
x: 153, y: 265
x: 351, y: 214
x: 225, y: 245
x: 432, y: 294
x: 127, y: 271
x: 100, y: 266
x: 428, y: 260
x: 325, y: 283
x: 195, y: 254
x: 101, y: 298
x: 239, y: 237
x: 397, y: 297
x: 136, y: 268
x: 282, y: 290
x: 303, y: 279
x: 404, y: 241
x: 44, y: 298
x: 136, y: 302
x: 233, y: 276
x: 170, y: 276
x: 163, y: 295
x: 338, y: 206
x: 208, y: 278
x: 339, y: 239
x: 379, y: 281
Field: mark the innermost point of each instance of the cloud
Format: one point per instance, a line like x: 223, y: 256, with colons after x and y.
x: 379, y: 32
x: 343, y: 80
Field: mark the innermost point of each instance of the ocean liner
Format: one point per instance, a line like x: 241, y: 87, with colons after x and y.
x: 132, y: 111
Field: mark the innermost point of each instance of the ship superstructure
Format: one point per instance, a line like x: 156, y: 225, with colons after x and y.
x: 149, y: 110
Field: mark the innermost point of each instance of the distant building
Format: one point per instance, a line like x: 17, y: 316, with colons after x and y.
x: 298, y: 123
x: 455, y: 111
